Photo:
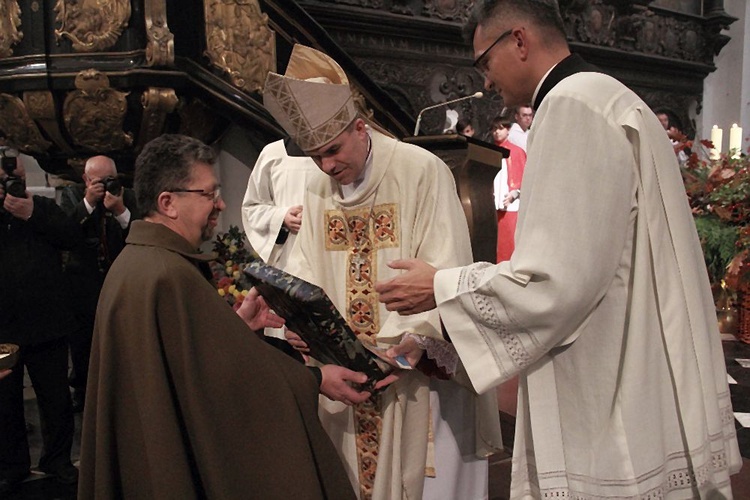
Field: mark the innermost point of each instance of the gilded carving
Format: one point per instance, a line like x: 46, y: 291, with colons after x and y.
x: 41, y: 106
x: 157, y: 104
x: 94, y: 114
x: 18, y: 128
x: 160, y: 46
x: 240, y: 42
x: 91, y: 25
x: 10, y: 24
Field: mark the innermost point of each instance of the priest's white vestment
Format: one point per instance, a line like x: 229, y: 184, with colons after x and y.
x: 277, y: 183
x: 406, y: 207
x: 605, y: 311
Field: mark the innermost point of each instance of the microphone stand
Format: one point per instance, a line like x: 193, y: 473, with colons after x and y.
x: 419, y: 116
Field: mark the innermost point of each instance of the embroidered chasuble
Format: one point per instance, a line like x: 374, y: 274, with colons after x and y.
x: 604, y: 309
x: 406, y: 207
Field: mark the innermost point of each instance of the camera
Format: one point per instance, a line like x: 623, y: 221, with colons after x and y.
x: 112, y: 185
x: 13, y: 185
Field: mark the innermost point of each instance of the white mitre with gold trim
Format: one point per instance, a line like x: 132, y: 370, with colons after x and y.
x: 312, y: 101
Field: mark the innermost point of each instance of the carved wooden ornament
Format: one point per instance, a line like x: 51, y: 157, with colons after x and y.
x: 94, y: 114
x: 92, y: 25
x: 10, y: 22
x: 240, y: 42
x: 18, y: 127
x: 160, y: 47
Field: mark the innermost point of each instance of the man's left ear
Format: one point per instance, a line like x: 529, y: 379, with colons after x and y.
x: 165, y: 205
x: 360, y: 125
x: 522, y: 43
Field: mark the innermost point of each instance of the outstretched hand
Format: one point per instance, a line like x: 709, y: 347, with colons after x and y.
x: 256, y: 313
x: 336, y: 384
x: 411, y: 292
x: 296, y: 341
x: 410, y: 351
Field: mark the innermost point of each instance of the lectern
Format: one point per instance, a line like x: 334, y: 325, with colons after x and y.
x: 474, y: 164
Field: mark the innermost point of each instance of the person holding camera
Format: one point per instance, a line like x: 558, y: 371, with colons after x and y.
x: 34, y: 315
x: 103, y: 210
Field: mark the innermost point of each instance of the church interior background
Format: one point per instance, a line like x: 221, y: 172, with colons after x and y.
x: 79, y: 77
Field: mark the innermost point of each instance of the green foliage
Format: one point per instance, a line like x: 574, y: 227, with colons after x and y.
x: 719, y: 241
x: 719, y: 195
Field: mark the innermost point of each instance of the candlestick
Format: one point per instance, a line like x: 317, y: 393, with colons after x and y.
x: 735, y: 141
x: 716, y: 136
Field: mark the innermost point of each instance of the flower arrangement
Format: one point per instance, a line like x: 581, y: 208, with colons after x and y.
x: 232, y: 257
x: 719, y: 194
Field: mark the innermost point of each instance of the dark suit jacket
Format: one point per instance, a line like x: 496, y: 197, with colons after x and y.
x: 33, y: 305
x: 100, y: 241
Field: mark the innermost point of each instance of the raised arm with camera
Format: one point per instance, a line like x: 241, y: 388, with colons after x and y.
x: 102, y: 211
x: 35, y: 315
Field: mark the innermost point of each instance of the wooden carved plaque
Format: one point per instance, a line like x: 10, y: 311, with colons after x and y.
x: 240, y: 42
x: 91, y: 25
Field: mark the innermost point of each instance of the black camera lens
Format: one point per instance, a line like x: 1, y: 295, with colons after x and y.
x: 9, y: 164
x: 15, y: 186
x: 112, y: 185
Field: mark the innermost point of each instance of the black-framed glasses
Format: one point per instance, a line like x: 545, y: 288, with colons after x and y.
x: 480, y: 63
x: 209, y: 195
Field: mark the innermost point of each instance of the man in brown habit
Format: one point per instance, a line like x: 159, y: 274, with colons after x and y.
x: 184, y: 400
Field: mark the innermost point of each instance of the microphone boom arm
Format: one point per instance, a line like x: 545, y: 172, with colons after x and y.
x: 478, y: 95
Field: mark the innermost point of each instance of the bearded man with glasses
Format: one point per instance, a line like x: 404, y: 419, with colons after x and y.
x: 184, y: 400
x: 604, y: 309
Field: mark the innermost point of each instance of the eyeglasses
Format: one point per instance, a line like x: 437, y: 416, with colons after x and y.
x: 209, y: 195
x: 480, y: 64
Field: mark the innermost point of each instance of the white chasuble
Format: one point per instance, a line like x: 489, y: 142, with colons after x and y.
x: 407, y: 207
x: 605, y: 311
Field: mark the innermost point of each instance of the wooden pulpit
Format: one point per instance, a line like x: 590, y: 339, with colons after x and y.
x: 474, y: 165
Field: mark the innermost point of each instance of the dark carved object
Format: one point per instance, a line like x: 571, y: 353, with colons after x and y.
x: 661, y: 49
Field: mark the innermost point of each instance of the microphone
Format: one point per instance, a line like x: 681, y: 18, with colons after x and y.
x: 478, y: 95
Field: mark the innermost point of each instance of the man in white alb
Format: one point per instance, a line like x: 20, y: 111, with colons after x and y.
x: 604, y: 309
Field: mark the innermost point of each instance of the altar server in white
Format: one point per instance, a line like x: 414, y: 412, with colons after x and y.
x: 604, y: 309
x: 272, y: 207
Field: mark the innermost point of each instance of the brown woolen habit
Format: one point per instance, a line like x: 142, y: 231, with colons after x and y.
x: 184, y: 401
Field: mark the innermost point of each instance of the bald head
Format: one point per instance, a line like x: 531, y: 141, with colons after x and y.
x: 98, y: 167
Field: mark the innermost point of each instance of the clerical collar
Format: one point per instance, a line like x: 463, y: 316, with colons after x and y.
x: 567, y: 67
x: 539, y: 85
x: 349, y: 189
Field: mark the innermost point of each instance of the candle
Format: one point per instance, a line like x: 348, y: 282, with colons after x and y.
x: 716, y: 136
x: 735, y: 140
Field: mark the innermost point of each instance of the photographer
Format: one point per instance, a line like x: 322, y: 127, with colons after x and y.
x: 103, y: 210
x: 33, y: 315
